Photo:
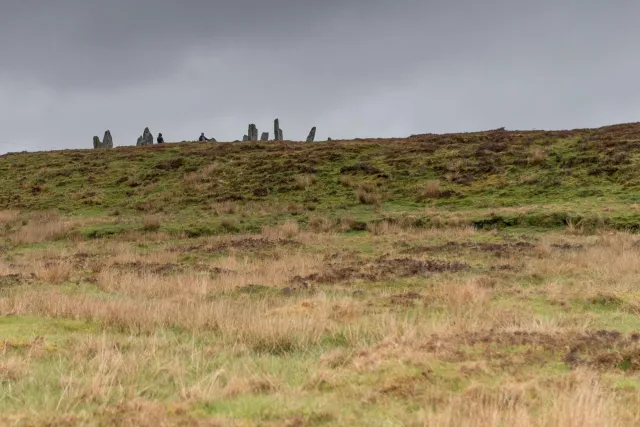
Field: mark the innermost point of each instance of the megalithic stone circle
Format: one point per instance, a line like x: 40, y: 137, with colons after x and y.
x: 312, y: 135
x: 264, y: 136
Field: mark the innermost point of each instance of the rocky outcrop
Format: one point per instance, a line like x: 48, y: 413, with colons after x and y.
x: 312, y: 135
x: 264, y: 136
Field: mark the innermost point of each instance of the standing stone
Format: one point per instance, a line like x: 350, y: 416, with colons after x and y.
x: 277, y: 134
x: 280, y: 135
x: 329, y: 139
x: 264, y: 136
x: 312, y: 135
x: 245, y: 138
x: 146, y: 138
x: 96, y: 142
x: 253, y: 132
x: 107, y: 141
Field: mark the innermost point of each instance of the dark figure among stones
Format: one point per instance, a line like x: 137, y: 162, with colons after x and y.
x: 160, y: 139
x: 203, y: 138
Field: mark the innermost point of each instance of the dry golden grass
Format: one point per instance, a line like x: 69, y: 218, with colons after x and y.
x: 537, y: 156
x: 288, y: 230
x: 368, y: 196
x: 304, y: 182
x: 7, y: 216
x: 151, y: 223
x: 234, y: 318
x: 320, y: 224
x: 348, y: 181
x: 53, y: 272
x: 430, y: 189
x: 581, y: 403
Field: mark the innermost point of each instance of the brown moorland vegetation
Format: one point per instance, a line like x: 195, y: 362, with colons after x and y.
x: 440, y: 303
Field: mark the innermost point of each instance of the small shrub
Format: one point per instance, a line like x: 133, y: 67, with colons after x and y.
x: 229, y: 225
x: 288, y: 230
x: 53, y: 272
x: 7, y: 217
x: 537, y: 156
x: 151, y: 223
x: 227, y: 207
x: 350, y: 224
x: 378, y: 228
x: 320, y: 224
x: 368, y: 197
x: 295, y: 209
x: 304, y: 182
x: 348, y: 181
x: 430, y: 190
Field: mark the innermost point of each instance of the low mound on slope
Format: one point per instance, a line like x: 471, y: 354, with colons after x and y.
x: 588, y: 175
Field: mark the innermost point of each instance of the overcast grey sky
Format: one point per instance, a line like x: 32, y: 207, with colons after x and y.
x: 70, y: 69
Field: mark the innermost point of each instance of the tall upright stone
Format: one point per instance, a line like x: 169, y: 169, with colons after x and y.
x: 312, y: 135
x: 264, y: 136
x: 253, y: 132
x: 280, y: 135
x: 277, y: 134
x: 146, y: 138
x: 107, y: 141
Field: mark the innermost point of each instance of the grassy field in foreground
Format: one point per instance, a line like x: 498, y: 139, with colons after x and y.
x: 485, y: 279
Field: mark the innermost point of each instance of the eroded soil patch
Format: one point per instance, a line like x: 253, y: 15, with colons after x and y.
x: 381, y: 269
x: 599, y: 349
x: 497, y: 249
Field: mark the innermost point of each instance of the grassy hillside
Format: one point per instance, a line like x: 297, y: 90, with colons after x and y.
x: 473, y: 280
x: 557, y: 175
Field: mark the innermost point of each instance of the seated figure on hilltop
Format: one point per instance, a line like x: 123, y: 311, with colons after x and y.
x: 203, y: 138
x: 160, y: 139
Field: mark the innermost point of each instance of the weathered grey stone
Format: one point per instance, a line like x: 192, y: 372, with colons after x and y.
x: 276, y: 130
x: 107, y: 141
x: 280, y: 135
x: 312, y: 135
x: 253, y: 132
x: 245, y: 138
x: 96, y: 142
x: 146, y: 138
x: 264, y: 136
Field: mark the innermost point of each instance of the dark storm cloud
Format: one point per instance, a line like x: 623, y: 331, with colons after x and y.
x: 70, y: 69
